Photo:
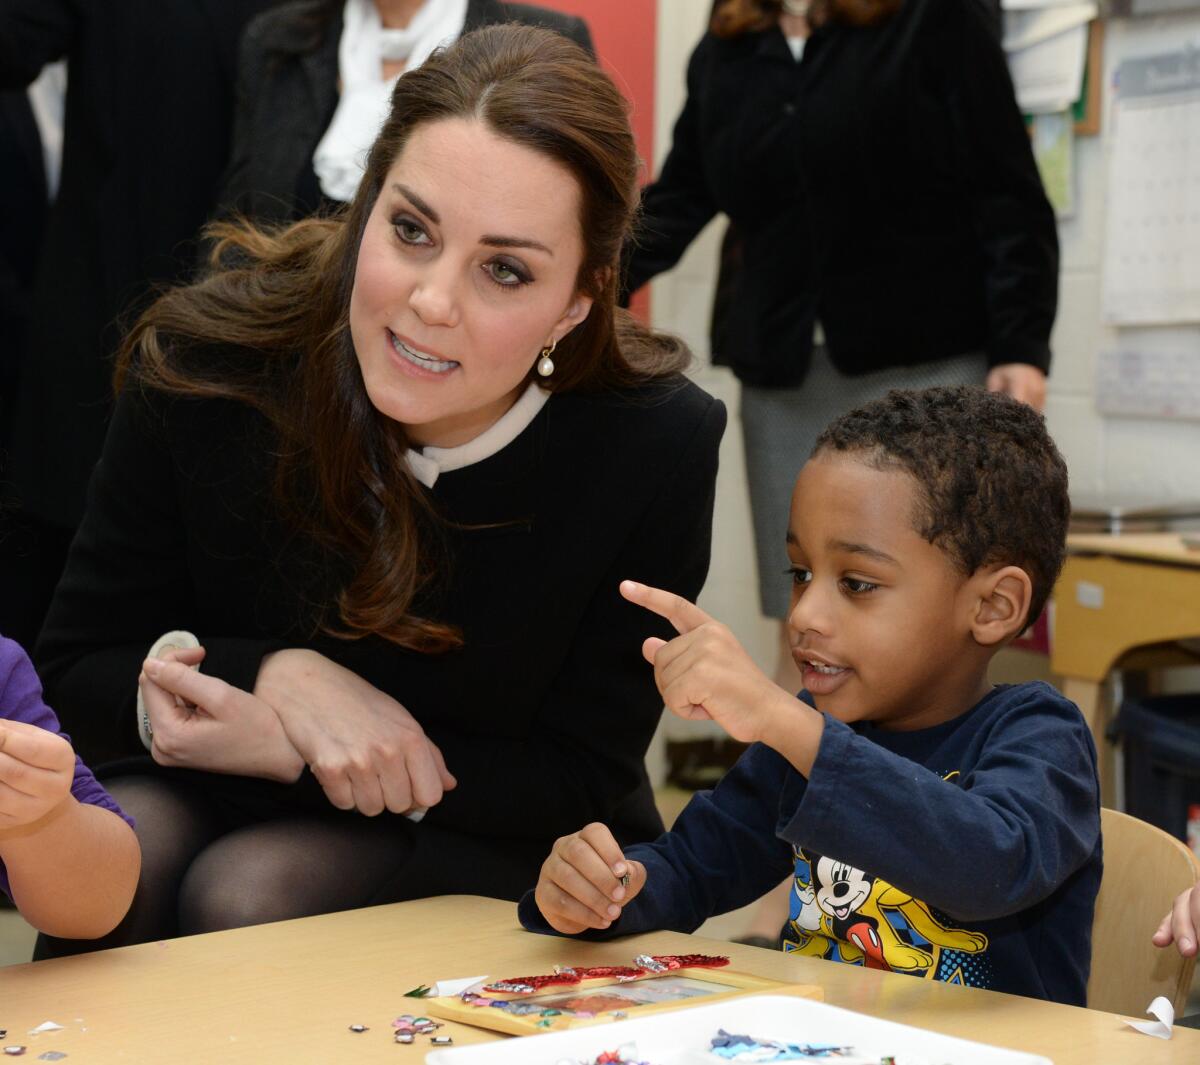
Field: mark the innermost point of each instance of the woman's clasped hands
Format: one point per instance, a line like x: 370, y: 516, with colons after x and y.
x: 365, y: 749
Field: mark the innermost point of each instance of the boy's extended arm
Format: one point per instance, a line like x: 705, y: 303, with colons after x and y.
x: 999, y: 837
x: 74, y: 871
x: 722, y: 853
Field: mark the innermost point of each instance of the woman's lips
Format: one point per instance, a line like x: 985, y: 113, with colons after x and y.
x: 420, y: 362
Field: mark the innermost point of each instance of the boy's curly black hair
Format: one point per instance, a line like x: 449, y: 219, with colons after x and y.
x: 994, y: 486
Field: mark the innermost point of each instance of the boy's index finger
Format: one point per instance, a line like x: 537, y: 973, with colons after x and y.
x: 681, y: 613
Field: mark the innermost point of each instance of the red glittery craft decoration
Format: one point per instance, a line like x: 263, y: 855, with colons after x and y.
x: 645, y: 965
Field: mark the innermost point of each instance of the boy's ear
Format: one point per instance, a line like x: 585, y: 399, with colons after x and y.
x: 1001, y: 608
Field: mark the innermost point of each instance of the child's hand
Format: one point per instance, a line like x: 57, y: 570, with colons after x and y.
x: 705, y: 672
x: 36, y: 771
x: 1181, y: 924
x: 580, y: 885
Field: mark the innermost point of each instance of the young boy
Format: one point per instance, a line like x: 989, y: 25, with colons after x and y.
x: 936, y: 825
x: 68, y: 856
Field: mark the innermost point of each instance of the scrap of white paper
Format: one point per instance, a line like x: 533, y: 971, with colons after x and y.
x: 446, y: 988
x: 1162, y: 1009
x: 1025, y: 28
x: 1048, y: 75
x: 46, y: 1026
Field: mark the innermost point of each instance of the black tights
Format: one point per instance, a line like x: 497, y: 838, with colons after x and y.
x: 201, y: 875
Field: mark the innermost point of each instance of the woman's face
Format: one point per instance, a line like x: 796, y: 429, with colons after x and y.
x: 466, y: 270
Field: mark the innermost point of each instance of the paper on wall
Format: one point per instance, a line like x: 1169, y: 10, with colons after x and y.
x: 1152, y: 246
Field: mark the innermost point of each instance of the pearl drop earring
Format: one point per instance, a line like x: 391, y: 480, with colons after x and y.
x: 545, y: 365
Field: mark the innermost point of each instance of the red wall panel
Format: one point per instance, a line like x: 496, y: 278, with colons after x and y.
x: 624, y: 33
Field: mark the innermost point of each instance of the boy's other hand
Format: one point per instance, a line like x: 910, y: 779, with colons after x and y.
x: 1181, y: 924
x: 705, y: 672
x: 580, y: 884
x: 36, y: 771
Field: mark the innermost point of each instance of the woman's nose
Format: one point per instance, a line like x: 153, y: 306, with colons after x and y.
x: 434, y: 297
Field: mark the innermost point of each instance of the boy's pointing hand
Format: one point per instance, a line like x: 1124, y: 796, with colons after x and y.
x: 705, y: 672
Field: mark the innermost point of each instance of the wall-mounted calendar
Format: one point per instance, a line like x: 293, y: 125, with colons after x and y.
x: 1152, y: 249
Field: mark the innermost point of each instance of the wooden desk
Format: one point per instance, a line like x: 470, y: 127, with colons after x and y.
x: 289, y: 991
x: 1118, y: 594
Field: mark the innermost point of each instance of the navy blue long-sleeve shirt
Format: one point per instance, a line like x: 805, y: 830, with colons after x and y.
x: 968, y: 852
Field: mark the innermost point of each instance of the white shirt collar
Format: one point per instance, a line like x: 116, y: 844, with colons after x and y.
x: 429, y: 462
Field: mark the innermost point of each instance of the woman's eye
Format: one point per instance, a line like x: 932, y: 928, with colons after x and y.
x: 409, y: 232
x: 799, y: 574
x: 505, y: 274
x: 857, y: 587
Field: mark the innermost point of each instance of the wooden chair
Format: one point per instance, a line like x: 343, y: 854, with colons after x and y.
x: 1144, y: 869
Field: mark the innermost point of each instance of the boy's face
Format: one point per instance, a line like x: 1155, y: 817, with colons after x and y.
x: 880, y: 618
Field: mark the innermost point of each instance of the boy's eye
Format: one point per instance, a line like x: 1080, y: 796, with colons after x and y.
x: 857, y: 587
x: 799, y: 574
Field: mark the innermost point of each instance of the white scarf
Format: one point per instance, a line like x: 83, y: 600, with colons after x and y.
x: 341, y: 156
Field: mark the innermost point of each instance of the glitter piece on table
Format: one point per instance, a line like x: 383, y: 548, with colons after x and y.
x: 14, y: 1051
x: 404, y: 1037
x: 441, y: 1040
x: 359, y: 1028
x: 52, y: 1055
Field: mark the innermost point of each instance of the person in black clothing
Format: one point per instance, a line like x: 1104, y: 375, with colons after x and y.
x: 145, y: 140
x: 891, y: 226
x: 293, y: 67
x: 390, y: 468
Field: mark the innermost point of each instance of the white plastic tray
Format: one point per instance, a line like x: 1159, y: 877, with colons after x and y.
x: 681, y: 1036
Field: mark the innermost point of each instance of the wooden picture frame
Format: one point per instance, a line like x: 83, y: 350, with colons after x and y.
x: 558, y: 1009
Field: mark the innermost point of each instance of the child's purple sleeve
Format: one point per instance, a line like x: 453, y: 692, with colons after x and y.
x: 21, y: 700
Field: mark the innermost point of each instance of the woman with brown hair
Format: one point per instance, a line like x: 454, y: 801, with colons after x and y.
x: 890, y: 226
x: 390, y: 468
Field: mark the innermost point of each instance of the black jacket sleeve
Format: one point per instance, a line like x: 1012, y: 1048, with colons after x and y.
x: 127, y: 581
x: 601, y: 710
x: 679, y: 204
x: 1014, y: 220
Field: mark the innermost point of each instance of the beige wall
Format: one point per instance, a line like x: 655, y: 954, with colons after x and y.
x: 1104, y: 453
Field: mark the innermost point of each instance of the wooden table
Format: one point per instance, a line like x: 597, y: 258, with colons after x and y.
x: 289, y: 991
x: 1118, y: 594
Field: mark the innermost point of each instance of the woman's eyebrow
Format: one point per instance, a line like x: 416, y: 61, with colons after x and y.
x: 418, y: 203
x: 514, y: 242
x: 491, y: 240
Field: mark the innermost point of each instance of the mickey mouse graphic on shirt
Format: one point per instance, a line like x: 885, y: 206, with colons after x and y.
x: 842, y: 913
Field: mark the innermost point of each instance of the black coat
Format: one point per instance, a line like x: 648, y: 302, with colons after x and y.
x: 146, y: 138
x: 885, y: 185
x: 546, y: 712
x: 22, y: 220
x: 287, y: 94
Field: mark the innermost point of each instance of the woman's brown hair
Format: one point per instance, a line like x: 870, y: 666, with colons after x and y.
x: 283, y: 297
x: 732, y: 18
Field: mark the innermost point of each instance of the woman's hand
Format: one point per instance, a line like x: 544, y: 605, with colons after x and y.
x: 1021, y: 381
x: 36, y: 771
x: 364, y: 748
x: 1180, y: 926
x: 201, y: 722
x: 580, y: 884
